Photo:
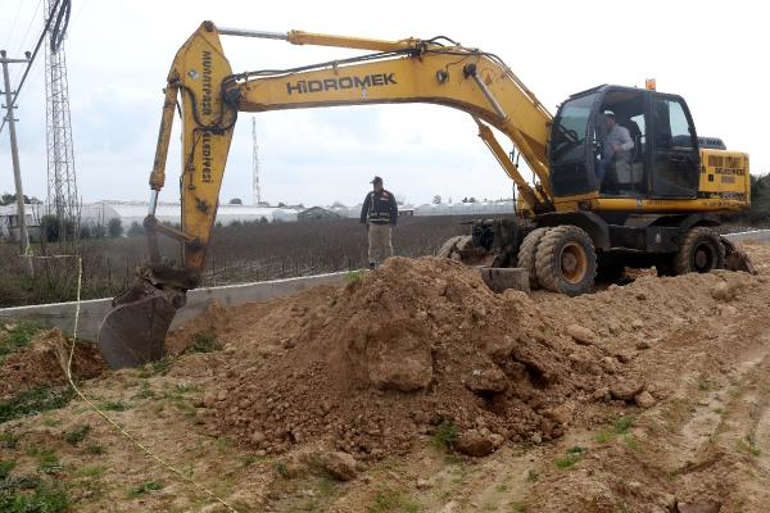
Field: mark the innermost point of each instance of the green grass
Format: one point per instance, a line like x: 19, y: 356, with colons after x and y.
x: 77, y: 435
x: 532, y: 476
x: 5, y: 468
x: 9, y: 440
x: 632, y: 443
x: 33, y: 495
x: 249, y: 460
x: 158, y: 367
x: 574, y: 454
x: 91, y: 471
x: 749, y: 446
x: 204, y: 343
x: 34, y: 401
x: 281, y: 469
x: 446, y: 435
x: 623, y: 425
x: 19, y: 337
x: 354, y: 276
x: 114, y: 406
x: 145, y: 488
x: 389, y: 500
x: 95, y: 449
x: 49, y: 462
x: 620, y: 427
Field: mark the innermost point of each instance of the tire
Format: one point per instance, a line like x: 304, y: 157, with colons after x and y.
x: 566, y: 260
x: 527, y: 251
x: 700, y: 251
x: 450, y: 249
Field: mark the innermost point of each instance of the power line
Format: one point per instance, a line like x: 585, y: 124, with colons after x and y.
x: 34, y: 54
x: 15, y: 19
x: 29, y: 26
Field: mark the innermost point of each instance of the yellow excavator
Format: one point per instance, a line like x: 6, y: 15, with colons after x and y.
x: 655, y: 204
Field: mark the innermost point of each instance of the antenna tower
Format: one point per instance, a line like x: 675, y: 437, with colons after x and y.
x: 62, y: 182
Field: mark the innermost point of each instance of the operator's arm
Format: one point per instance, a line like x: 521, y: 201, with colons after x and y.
x: 365, y: 207
x: 626, y: 143
x: 393, y: 210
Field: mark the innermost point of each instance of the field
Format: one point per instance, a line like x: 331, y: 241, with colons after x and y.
x: 251, y: 252
x: 413, y: 389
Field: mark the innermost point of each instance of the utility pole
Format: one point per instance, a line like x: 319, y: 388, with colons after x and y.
x: 20, y: 213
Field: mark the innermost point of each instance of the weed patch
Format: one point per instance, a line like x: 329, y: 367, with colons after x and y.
x: 6, y: 467
x: 77, y: 435
x: 49, y: 462
x: 95, y: 449
x: 17, y: 337
x: 204, y: 343
x: 446, y: 435
x: 91, y: 471
x: 389, y: 500
x: 574, y: 454
x: 9, y: 440
x: 34, y: 401
x: 145, y: 488
x: 114, y: 406
x: 32, y: 494
x: 749, y: 446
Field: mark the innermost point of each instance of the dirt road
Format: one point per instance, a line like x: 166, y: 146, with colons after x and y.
x: 650, y: 397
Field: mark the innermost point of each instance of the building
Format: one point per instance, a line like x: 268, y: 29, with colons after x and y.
x: 129, y: 212
x: 9, y: 221
x: 317, y: 213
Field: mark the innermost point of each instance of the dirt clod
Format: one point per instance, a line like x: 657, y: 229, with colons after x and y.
x: 340, y: 465
x: 581, y: 334
x: 475, y: 443
x: 644, y: 400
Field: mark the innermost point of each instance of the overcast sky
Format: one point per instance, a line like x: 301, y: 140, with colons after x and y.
x: 119, y: 52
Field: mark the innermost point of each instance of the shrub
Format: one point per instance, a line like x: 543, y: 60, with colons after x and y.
x: 115, y: 228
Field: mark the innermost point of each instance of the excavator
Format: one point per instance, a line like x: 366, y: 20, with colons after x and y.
x: 657, y: 206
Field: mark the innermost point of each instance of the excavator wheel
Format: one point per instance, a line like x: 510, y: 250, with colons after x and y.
x: 700, y: 251
x: 527, y: 252
x: 450, y: 247
x: 566, y: 260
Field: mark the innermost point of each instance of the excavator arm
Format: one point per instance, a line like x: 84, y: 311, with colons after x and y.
x: 437, y: 71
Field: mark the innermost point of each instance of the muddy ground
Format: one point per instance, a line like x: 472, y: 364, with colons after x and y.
x: 416, y: 389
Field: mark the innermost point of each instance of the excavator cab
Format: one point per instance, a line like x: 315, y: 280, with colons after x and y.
x: 663, y: 163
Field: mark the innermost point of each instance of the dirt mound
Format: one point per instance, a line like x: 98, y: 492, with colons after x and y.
x: 43, y: 363
x: 416, y: 345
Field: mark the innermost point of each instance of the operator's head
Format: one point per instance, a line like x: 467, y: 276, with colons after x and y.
x: 609, y: 118
x: 377, y: 183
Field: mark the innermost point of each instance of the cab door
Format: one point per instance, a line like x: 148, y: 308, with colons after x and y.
x: 676, y: 159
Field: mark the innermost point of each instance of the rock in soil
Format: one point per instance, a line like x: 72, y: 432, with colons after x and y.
x: 340, y: 465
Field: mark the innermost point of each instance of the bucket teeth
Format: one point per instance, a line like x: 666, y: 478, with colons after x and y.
x: 134, y: 331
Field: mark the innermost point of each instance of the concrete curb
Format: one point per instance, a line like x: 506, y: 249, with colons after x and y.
x: 760, y: 235
x: 62, y: 315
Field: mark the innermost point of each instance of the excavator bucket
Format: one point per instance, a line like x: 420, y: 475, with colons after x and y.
x: 737, y: 259
x: 134, y: 331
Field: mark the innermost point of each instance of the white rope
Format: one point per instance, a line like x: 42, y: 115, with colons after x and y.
x: 112, y: 422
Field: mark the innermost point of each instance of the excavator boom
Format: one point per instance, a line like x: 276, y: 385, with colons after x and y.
x: 437, y: 71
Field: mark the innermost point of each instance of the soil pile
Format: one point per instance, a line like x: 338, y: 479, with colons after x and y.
x: 43, y: 363
x: 420, y: 346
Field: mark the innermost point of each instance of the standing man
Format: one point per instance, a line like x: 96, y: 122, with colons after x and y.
x: 617, y: 146
x: 379, y: 213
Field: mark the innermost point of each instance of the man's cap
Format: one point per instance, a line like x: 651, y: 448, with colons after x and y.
x: 609, y: 114
x: 376, y: 179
